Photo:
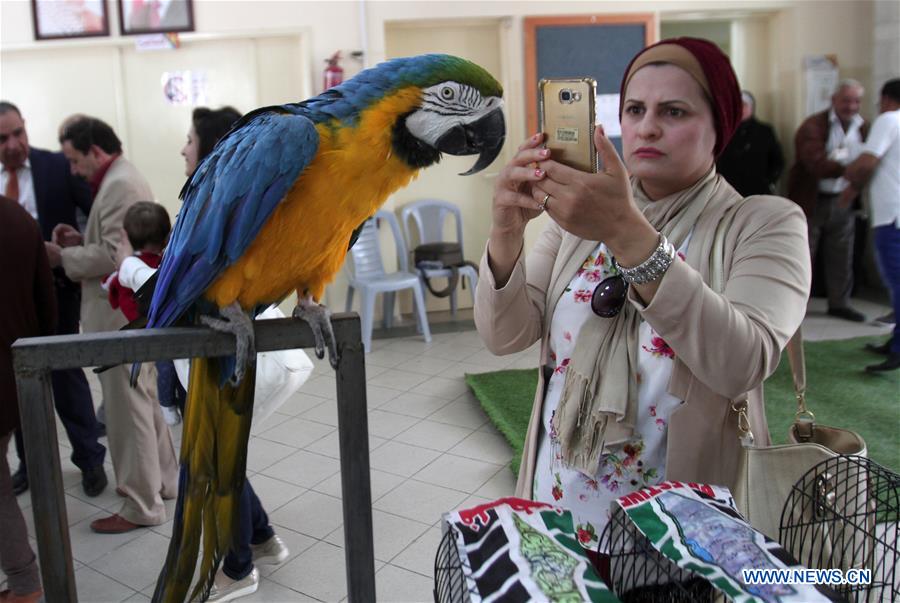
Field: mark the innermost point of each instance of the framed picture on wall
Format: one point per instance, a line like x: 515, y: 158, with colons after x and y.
x: 54, y: 20
x: 139, y: 17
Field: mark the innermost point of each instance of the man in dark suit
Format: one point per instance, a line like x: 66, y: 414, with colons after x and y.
x: 825, y: 143
x: 42, y: 183
x: 752, y: 162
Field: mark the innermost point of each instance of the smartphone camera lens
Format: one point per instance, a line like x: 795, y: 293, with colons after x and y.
x: 565, y: 96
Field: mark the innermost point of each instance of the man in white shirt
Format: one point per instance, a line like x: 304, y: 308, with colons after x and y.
x: 825, y: 143
x: 879, y: 166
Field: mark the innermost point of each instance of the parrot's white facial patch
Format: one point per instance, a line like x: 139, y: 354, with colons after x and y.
x: 446, y: 105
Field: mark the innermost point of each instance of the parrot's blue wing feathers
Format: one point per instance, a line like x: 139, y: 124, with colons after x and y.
x: 231, y: 195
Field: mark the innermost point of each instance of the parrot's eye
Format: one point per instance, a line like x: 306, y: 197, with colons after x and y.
x: 447, y: 93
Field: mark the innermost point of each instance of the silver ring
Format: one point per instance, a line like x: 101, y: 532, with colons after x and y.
x: 543, y: 204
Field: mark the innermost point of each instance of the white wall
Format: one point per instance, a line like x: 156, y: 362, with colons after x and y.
x: 479, y: 41
x: 886, y: 47
x: 769, y: 40
x: 124, y: 88
x: 843, y: 29
x: 752, y: 61
x: 799, y: 27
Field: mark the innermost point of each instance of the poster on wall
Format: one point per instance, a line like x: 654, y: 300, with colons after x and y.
x: 54, y: 20
x: 155, y: 16
x: 166, y: 41
x: 185, y: 88
x: 607, y: 111
x: 821, y: 75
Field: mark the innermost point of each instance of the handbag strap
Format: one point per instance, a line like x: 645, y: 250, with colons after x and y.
x: 804, y: 420
x: 798, y: 369
x: 717, y: 284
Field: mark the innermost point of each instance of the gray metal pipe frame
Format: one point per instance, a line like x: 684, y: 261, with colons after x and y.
x: 34, y: 358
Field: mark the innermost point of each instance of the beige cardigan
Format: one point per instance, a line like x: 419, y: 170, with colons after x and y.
x: 724, y: 346
x: 91, y: 262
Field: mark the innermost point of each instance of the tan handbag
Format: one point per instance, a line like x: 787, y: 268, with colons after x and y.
x: 767, y: 474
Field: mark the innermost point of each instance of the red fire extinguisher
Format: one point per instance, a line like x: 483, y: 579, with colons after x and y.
x: 334, y: 74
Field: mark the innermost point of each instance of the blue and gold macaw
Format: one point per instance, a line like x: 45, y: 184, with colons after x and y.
x: 273, y: 209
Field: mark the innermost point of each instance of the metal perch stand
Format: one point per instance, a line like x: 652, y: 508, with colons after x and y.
x: 34, y: 358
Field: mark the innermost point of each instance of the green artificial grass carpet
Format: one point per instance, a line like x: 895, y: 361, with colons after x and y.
x: 507, y: 397
x: 839, y: 392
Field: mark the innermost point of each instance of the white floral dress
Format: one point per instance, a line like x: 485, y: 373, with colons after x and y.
x: 629, y: 466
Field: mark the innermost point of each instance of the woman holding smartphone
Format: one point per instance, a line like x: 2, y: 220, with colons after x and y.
x: 641, y: 357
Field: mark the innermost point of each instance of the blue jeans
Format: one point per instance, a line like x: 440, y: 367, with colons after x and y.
x: 253, y: 528
x: 168, y: 388
x: 887, y: 246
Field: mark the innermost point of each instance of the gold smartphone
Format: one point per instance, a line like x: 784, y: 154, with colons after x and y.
x: 567, y: 116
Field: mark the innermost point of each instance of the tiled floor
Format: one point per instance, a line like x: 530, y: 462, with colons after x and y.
x: 433, y: 449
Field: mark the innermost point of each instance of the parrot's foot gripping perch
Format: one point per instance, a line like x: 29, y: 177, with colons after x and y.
x: 235, y: 321
x: 319, y: 319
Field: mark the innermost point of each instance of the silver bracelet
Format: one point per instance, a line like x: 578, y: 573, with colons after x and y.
x: 653, y: 267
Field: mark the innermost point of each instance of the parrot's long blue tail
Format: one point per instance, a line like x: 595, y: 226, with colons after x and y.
x: 213, y: 466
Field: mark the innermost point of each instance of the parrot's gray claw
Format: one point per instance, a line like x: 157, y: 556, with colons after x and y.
x: 236, y: 322
x: 319, y: 319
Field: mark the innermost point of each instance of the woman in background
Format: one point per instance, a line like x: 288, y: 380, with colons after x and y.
x: 257, y: 541
x: 258, y: 544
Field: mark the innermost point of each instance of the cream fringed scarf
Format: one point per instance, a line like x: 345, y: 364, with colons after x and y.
x: 598, y: 406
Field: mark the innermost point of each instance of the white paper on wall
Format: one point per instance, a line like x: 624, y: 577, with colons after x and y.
x: 607, y: 110
x: 185, y: 88
x: 160, y: 41
x: 821, y: 75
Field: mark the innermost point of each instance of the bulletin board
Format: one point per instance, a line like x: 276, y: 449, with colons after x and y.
x: 598, y: 46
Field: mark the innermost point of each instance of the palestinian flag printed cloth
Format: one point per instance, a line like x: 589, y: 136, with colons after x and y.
x: 697, y: 527
x: 519, y: 550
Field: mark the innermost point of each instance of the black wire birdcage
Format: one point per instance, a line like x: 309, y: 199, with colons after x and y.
x: 843, y: 514
x: 638, y: 573
x: 449, y: 579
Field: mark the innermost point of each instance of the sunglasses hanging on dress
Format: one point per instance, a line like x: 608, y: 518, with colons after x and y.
x: 609, y: 296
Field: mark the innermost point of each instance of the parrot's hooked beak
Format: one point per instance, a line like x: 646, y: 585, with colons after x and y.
x: 484, y: 136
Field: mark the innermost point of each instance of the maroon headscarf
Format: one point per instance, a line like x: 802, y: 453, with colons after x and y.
x: 710, y: 67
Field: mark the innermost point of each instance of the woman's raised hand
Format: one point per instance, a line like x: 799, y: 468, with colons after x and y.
x: 513, y: 207
x: 597, y: 207
x: 514, y: 190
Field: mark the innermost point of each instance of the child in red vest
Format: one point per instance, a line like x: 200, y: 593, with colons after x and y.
x: 147, y: 227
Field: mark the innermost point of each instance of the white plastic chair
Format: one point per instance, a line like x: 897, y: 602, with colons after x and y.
x: 367, y: 275
x: 429, y: 216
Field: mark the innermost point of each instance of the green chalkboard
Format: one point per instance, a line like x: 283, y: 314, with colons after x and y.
x: 597, y: 46
x: 599, y: 51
